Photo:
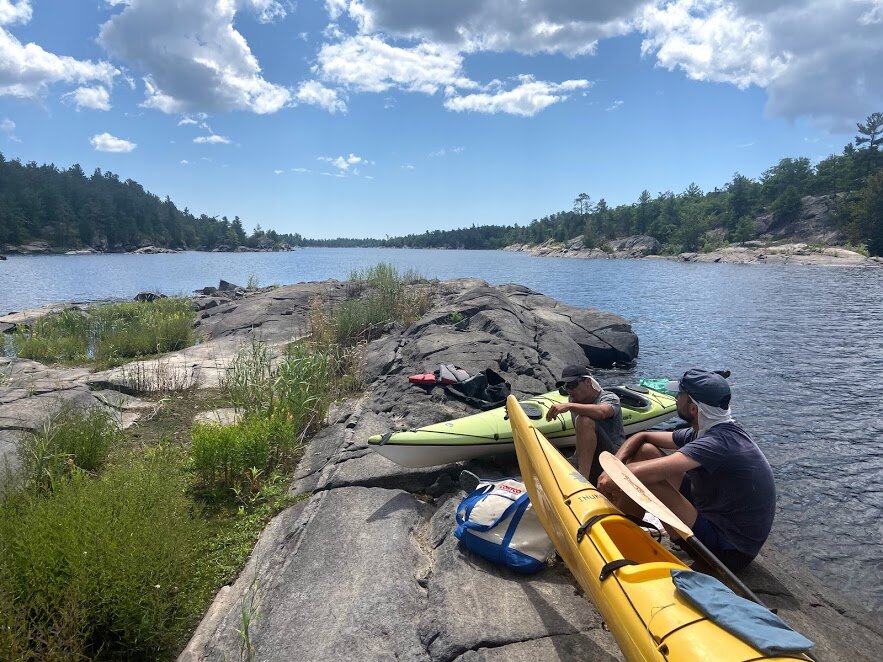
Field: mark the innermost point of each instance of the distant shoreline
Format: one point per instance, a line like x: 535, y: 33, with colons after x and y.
x: 795, y: 253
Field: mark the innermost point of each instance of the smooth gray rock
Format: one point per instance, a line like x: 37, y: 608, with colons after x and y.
x: 814, y: 224
x: 30, y: 393
x: 335, y: 583
x: 588, y: 646
x: 224, y: 286
x: 635, y: 246
x: 473, y: 604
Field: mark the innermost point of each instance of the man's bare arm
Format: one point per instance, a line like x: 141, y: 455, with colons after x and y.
x: 596, y: 412
x: 631, y: 445
x: 663, y: 468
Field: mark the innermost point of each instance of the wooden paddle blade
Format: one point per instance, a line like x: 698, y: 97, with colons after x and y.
x: 638, y: 492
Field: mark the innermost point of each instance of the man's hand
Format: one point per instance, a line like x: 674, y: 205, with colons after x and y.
x: 605, y: 485
x: 557, y: 409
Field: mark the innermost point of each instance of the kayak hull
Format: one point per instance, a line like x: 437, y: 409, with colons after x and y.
x: 639, y: 603
x: 489, y: 433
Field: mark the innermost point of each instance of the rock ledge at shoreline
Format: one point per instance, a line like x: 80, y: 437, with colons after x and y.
x: 751, y: 252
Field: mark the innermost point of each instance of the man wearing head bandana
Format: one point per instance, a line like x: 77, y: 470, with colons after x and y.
x: 717, y: 480
x: 597, y: 418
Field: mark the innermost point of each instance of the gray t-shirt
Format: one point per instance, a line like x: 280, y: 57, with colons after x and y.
x: 609, y: 431
x: 733, y: 485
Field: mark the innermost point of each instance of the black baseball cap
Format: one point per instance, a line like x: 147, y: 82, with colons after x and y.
x: 572, y: 373
x: 703, y: 386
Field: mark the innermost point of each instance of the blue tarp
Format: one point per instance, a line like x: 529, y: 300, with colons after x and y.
x: 752, y: 623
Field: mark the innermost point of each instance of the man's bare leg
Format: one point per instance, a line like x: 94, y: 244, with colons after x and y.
x: 586, y: 443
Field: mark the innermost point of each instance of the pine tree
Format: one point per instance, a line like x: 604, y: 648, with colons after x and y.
x: 872, y: 136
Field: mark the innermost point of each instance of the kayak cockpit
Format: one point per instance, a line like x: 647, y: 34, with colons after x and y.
x: 629, y: 397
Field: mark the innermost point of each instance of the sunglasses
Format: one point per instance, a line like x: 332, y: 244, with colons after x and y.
x: 568, y: 387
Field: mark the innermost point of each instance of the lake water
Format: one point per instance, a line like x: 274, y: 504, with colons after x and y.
x: 804, y: 344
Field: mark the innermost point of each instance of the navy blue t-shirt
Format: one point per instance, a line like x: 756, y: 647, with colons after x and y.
x: 733, y: 485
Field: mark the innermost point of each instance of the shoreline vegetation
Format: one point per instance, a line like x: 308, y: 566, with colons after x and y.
x: 836, y: 202
x: 113, y: 542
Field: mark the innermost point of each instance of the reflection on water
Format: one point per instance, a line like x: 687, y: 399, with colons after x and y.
x: 804, y: 345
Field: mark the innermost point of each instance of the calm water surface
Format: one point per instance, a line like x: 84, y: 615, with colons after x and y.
x: 804, y: 344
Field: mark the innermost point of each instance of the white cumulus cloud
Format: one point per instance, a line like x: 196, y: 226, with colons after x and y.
x: 267, y: 10
x: 7, y: 126
x: 313, y: 93
x: 213, y: 139
x: 368, y: 64
x: 191, y: 57
x: 105, y: 142
x: 96, y: 98
x: 814, y: 58
x: 27, y: 70
x: 15, y: 11
x: 346, y: 165
x: 710, y: 41
x: 572, y: 27
x: 527, y: 99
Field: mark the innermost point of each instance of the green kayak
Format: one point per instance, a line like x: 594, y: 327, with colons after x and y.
x: 489, y: 432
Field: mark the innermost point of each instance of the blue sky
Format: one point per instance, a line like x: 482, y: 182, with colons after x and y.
x: 374, y: 117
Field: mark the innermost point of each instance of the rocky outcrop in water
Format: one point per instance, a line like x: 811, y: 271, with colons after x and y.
x: 153, y: 250
x: 636, y: 246
x: 755, y: 252
x: 31, y: 248
x: 368, y: 562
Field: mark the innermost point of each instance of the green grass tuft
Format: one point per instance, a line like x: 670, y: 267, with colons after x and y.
x: 379, y: 297
x: 72, y: 440
x: 109, y: 335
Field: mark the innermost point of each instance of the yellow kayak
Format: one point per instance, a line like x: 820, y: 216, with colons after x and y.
x: 638, y: 601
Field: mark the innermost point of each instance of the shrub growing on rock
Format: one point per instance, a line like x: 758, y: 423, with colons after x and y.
x: 97, y: 567
x: 71, y: 440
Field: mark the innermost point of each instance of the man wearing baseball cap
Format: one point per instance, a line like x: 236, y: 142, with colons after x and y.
x: 717, y: 480
x: 597, y: 418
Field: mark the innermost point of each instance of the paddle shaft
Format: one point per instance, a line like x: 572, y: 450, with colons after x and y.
x: 718, y: 565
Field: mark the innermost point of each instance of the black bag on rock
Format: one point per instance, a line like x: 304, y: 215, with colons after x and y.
x: 486, y: 390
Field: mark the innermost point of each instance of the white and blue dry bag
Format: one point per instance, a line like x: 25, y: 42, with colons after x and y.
x: 497, y: 522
